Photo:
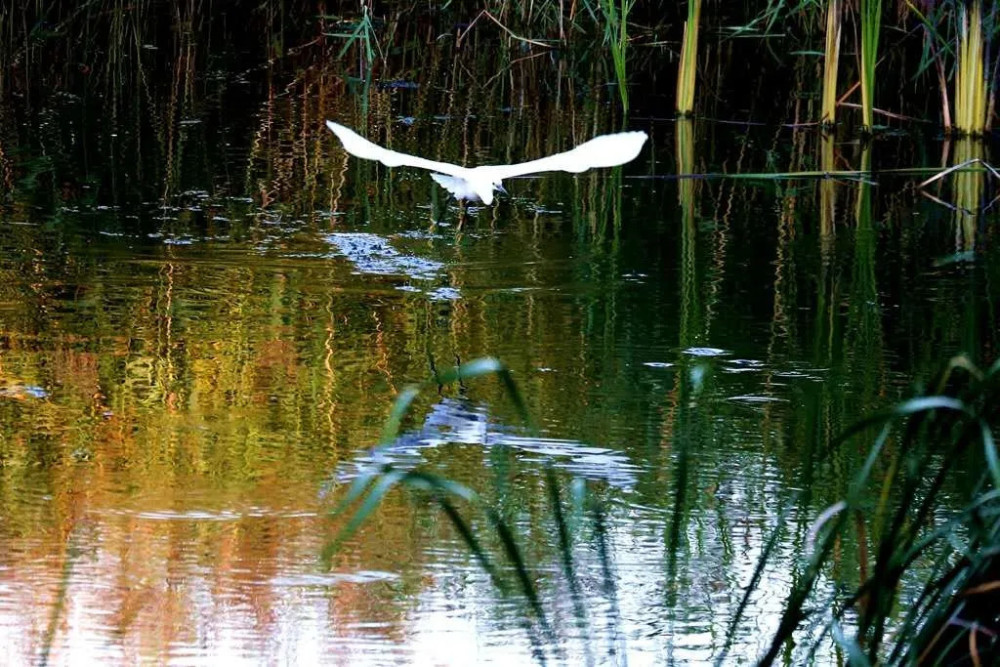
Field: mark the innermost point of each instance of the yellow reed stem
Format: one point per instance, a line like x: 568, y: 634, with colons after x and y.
x: 830, y: 63
x: 689, y: 60
x: 970, y: 80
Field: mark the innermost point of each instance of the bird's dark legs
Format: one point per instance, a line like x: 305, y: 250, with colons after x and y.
x: 462, y: 213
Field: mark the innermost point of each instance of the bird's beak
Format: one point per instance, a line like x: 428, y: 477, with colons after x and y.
x: 500, y: 188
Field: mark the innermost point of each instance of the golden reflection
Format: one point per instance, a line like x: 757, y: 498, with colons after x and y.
x: 864, y: 313
x: 784, y: 270
x: 827, y: 194
x: 827, y: 309
x: 967, y: 187
x: 692, y: 316
x: 6, y: 167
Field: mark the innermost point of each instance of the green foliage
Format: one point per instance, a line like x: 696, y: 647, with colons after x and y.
x: 369, y: 489
x: 919, y: 444
x: 897, y: 493
x: 616, y: 37
x: 359, y: 32
x: 871, y: 26
x: 689, y: 59
x: 956, y: 44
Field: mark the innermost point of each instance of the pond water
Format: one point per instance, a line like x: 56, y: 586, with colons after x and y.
x: 207, y: 310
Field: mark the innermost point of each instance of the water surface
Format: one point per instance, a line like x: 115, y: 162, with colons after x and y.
x: 202, y: 333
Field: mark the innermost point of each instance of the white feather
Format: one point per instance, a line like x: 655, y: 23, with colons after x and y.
x: 607, y: 150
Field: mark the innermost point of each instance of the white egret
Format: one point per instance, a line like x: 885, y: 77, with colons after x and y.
x: 607, y: 150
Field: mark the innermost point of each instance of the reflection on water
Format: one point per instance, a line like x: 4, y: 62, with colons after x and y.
x: 203, y: 327
x: 373, y: 254
x: 451, y: 422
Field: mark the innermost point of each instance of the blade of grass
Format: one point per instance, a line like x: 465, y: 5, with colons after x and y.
x: 377, y: 491
x: 566, y: 558
x: 755, y: 578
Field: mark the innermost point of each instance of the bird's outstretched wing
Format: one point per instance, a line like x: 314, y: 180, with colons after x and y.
x: 358, y: 146
x: 607, y: 150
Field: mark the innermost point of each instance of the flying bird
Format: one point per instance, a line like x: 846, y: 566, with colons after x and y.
x: 479, y: 183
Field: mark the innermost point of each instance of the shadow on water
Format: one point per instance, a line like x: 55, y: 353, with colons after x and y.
x: 208, y: 308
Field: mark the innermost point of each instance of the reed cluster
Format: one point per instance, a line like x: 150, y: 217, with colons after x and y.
x: 971, y: 103
x: 950, y: 41
x: 615, y: 13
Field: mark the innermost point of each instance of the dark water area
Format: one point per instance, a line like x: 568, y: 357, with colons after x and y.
x: 207, y: 309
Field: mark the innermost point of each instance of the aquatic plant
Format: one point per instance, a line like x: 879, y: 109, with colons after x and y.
x: 871, y: 24
x: 952, y: 42
x: 615, y: 13
x: 688, y: 66
x: 894, y: 503
x: 369, y: 488
x: 831, y: 62
x: 362, y: 32
x: 971, y: 115
x: 969, y: 185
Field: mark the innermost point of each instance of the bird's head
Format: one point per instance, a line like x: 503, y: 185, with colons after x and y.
x: 484, y: 182
x: 486, y: 190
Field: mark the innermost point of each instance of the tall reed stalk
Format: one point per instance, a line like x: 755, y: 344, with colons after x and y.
x: 689, y: 60
x: 616, y: 36
x: 970, y: 81
x: 871, y: 18
x: 831, y: 60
